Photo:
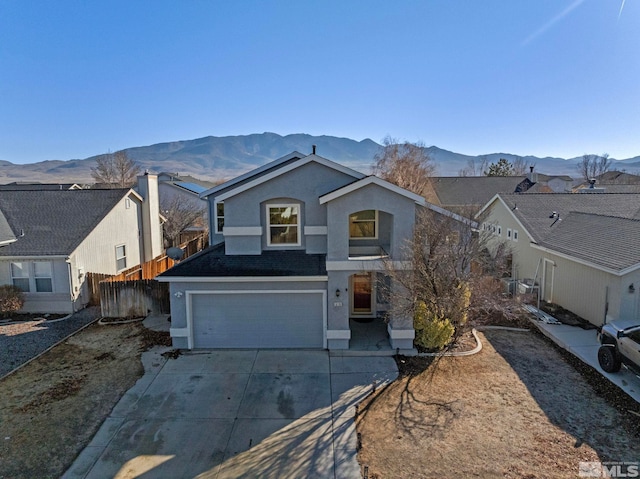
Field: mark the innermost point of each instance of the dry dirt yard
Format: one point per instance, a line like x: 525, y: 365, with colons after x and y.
x: 51, y: 408
x: 521, y: 408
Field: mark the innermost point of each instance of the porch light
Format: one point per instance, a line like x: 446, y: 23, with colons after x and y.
x: 632, y: 288
x: 338, y: 293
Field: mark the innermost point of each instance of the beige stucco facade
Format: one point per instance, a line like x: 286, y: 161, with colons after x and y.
x: 589, y: 290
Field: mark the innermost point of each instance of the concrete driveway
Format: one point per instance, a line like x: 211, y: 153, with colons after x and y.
x: 231, y: 414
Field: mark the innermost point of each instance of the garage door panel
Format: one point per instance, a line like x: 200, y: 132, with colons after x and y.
x: 258, y: 320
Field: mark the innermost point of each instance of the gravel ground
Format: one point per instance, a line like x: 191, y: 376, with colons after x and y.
x: 22, y: 341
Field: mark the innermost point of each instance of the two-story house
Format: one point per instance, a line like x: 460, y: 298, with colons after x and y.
x: 298, y: 248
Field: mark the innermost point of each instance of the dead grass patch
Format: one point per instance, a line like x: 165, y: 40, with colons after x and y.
x: 51, y: 408
x: 517, y: 409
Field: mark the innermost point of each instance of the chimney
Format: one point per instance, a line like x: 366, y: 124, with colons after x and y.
x: 313, y: 149
x: 533, y: 177
x: 150, y: 229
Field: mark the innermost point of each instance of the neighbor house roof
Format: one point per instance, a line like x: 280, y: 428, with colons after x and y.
x: 607, y: 241
x: 54, y: 222
x: 535, y: 211
x: 212, y: 262
x: 458, y: 191
x: 166, y: 177
x: 18, y: 186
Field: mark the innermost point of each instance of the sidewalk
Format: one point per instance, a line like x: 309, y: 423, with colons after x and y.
x: 584, y: 344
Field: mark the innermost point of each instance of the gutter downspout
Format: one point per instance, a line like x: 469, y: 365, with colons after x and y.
x: 73, y: 301
x: 606, y: 304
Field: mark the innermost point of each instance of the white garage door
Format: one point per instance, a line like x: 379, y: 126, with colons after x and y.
x: 260, y: 319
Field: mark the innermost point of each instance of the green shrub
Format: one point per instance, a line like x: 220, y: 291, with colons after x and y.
x: 432, y: 333
x: 11, y: 299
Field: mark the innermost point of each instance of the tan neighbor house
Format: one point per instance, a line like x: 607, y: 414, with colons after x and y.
x: 582, y: 250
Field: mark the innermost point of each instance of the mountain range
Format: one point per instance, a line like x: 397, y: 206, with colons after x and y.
x: 214, y: 158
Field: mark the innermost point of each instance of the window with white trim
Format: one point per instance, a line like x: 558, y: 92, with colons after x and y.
x: 499, y: 230
x: 219, y: 217
x: 20, y: 276
x: 32, y: 276
x: 363, y: 225
x: 508, y: 233
x: 43, y: 276
x: 121, y: 257
x: 515, y: 235
x: 283, y: 225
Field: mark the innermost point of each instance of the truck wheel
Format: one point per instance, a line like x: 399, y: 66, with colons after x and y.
x: 609, y: 359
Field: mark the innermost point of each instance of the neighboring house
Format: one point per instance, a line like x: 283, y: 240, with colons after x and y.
x: 187, y: 190
x: 298, y: 249
x: 611, y: 182
x: 19, y: 186
x: 61, y: 235
x: 550, y: 183
x: 582, y: 250
x: 462, y: 194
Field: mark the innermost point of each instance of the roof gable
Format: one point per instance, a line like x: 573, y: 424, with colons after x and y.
x: 535, y: 211
x: 371, y: 180
x: 55, y: 222
x: 281, y: 169
x: 253, y: 174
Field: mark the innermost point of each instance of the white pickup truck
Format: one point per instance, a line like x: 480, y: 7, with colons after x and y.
x: 620, y: 343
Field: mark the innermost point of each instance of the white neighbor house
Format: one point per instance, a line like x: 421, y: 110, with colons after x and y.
x: 57, y: 237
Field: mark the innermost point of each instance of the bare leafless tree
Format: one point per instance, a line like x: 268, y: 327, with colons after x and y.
x: 591, y: 166
x: 453, y: 270
x: 407, y: 165
x: 475, y: 166
x: 519, y: 166
x: 180, y: 213
x: 115, y: 170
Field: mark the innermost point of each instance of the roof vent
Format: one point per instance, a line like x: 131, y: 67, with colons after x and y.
x: 592, y: 187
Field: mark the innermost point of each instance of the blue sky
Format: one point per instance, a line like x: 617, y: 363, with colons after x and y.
x: 546, y: 78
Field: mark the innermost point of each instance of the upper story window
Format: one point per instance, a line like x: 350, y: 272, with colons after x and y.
x: 121, y: 257
x: 283, y: 224
x: 219, y: 217
x: 363, y: 225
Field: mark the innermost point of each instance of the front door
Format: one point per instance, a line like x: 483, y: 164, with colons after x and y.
x: 362, y: 295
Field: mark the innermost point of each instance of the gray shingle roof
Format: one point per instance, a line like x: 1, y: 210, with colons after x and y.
x: 534, y: 210
x: 604, y: 240
x: 472, y: 190
x: 213, y: 262
x: 54, y: 222
x: 17, y: 186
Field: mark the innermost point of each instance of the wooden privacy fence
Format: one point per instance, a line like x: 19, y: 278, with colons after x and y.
x: 134, y: 292
x: 133, y: 299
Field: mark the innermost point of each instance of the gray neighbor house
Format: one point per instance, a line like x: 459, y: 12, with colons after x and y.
x: 298, y: 248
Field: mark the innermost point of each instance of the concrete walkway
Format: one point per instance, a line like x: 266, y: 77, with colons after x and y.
x: 237, y: 413
x: 584, y: 344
